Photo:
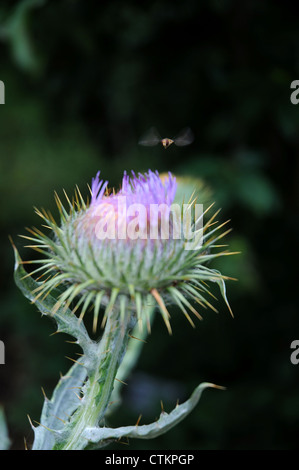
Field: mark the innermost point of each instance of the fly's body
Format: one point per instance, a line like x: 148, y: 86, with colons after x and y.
x: 166, y: 142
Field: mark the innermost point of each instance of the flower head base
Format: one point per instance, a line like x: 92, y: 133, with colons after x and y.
x: 129, y: 249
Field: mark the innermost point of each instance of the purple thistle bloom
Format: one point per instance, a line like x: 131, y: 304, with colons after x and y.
x: 146, y: 190
x: 149, y: 188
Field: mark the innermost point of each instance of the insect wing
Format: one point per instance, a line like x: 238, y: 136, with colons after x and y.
x: 150, y: 138
x: 185, y: 137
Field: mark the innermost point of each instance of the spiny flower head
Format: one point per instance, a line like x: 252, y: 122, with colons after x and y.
x: 129, y: 250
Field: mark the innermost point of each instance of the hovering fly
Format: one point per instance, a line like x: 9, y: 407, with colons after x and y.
x: 152, y: 137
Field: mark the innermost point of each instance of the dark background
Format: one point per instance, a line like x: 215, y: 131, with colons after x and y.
x: 83, y: 81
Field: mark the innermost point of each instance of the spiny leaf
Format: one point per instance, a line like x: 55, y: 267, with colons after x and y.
x: 55, y: 411
x: 166, y: 421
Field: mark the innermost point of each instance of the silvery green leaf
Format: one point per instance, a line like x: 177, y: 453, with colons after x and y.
x: 4, y: 439
x: 166, y: 421
x: 57, y: 410
x: 64, y: 400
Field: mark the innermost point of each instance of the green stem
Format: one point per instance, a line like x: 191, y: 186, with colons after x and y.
x: 133, y: 352
x: 99, y: 386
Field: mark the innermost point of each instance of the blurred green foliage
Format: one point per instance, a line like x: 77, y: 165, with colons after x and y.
x: 83, y: 80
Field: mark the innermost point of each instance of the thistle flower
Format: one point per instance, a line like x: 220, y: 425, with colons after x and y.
x: 114, y: 251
